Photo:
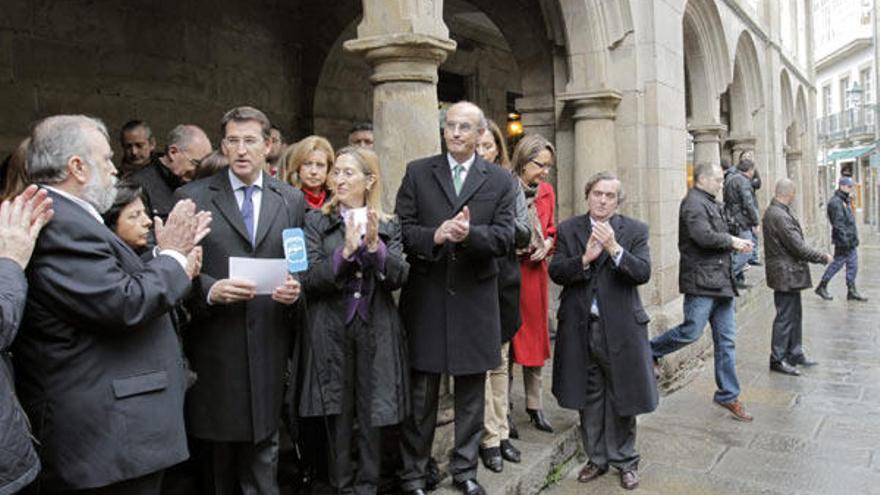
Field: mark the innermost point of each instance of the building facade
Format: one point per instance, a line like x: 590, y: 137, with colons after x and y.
x: 847, y: 98
x: 618, y: 85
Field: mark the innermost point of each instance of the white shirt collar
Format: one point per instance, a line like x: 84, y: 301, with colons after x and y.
x: 237, y: 183
x: 81, y: 202
x: 466, y: 164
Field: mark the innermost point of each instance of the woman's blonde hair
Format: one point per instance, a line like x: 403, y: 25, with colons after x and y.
x: 368, y: 162
x: 296, y: 154
x: 527, y: 149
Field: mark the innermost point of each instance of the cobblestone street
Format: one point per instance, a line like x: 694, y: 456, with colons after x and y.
x: 814, y: 434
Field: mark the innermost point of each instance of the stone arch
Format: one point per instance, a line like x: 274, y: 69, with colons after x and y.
x: 746, y: 92
x: 533, y: 62
x: 707, y: 71
x: 787, y: 100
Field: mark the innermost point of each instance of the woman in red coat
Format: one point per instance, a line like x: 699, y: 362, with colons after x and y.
x: 532, y: 159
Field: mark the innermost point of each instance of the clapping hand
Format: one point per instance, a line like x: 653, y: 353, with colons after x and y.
x: 455, y: 229
x: 183, y: 229
x: 20, y: 223
x: 352, y: 237
x: 592, y: 250
x: 372, y: 237
x: 604, y: 233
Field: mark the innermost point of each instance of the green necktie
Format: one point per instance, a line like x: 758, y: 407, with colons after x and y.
x: 457, y: 170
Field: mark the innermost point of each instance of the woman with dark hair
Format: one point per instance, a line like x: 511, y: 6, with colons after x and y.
x: 532, y: 159
x: 128, y: 217
x: 356, y: 369
x: 495, y: 446
x: 14, y: 169
x: 306, y: 165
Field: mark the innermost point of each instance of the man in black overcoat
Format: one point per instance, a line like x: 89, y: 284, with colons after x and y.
x: 602, y: 358
x: 456, y: 214
x: 786, y: 255
x: 99, y: 368
x: 239, y: 342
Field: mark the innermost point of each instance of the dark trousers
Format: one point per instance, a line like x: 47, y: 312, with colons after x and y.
x: 848, y: 257
x: 417, y: 432
x: 355, y: 408
x: 149, y: 484
x: 609, y: 438
x: 230, y: 468
x: 787, y: 327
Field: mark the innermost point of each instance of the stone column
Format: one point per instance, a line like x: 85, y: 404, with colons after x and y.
x: 404, y: 42
x: 595, y: 147
x: 707, y: 142
x: 794, y: 172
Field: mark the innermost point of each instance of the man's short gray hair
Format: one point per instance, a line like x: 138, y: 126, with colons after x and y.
x: 784, y: 187
x: 482, y: 123
x: 182, y: 136
x: 54, y: 141
x: 600, y: 176
x: 702, y: 169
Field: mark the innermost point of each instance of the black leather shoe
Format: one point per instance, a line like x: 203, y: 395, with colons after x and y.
x: 469, y: 487
x: 784, y: 368
x: 853, y: 295
x: 802, y: 360
x: 822, y: 291
x: 512, y: 431
x: 491, y: 458
x: 755, y: 263
x: 417, y: 491
x: 509, y: 452
x: 536, y: 416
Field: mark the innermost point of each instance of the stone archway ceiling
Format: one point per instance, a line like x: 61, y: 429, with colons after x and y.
x: 706, y: 55
x: 747, y: 59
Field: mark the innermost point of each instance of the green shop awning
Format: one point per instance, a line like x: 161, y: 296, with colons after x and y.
x: 850, y: 153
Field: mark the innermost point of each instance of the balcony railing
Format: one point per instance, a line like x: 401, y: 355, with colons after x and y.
x: 853, y: 123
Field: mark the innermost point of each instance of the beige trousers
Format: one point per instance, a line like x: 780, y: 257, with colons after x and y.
x: 534, y: 382
x: 495, y: 427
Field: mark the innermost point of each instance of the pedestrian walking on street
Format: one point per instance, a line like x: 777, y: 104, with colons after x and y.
x: 786, y: 256
x: 845, y: 238
x: 742, y: 212
x: 602, y: 363
x: 706, y: 280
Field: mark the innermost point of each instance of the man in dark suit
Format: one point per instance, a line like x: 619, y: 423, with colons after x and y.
x: 239, y: 342
x: 787, y: 255
x: 602, y: 362
x: 98, y: 366
x: 185, y: 148
x: 456, y: 214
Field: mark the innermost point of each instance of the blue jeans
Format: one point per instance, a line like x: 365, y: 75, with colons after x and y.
x: 741, y: 259
x: 843, y: 257
x: 719, y: 312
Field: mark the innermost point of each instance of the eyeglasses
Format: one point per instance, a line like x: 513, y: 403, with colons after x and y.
x: 542, y: 166
x: 249, y: 142
x: 196, y: 163
x: 464, y: 127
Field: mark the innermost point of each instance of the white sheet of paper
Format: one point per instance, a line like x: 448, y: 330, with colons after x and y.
x: 266, y: 273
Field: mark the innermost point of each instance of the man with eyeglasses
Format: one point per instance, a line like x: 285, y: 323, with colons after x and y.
x: 185, y: 148
x: 239, y: 341
x: 456, y: 216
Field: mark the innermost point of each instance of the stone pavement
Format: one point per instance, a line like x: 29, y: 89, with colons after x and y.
x: 814, y: 434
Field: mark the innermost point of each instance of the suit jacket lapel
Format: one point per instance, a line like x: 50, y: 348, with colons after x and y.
x: 270, y: 205
x: 443, y: 175
x: 583, y: 231
x: 224, y: 199
x: 472, y: 182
